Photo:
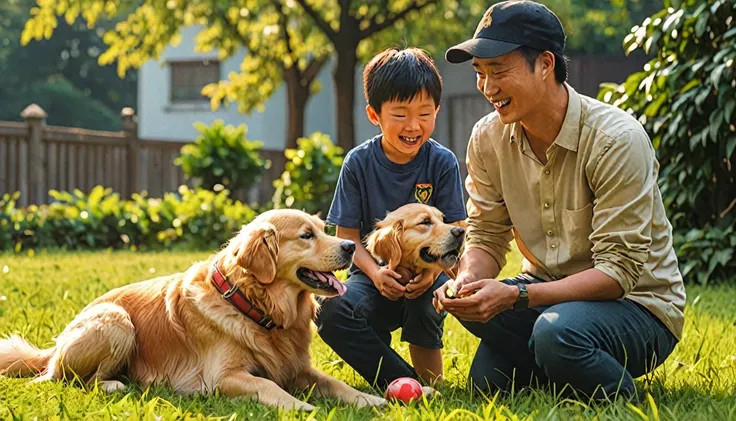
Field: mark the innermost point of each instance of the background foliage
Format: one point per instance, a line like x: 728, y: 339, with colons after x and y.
x: 191, y: 219
x: 222, y: 155
x: 310, y: 175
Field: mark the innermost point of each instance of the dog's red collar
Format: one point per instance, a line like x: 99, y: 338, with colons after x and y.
x: 232, y: 294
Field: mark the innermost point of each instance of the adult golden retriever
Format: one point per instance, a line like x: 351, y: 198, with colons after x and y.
x: 184, y: 330
x: 414, y: 237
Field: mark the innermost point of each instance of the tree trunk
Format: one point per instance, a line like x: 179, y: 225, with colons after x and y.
x: 344, y: 78
x: 296, y: 106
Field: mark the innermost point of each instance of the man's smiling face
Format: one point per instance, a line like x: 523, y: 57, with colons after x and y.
x: 510, y: 84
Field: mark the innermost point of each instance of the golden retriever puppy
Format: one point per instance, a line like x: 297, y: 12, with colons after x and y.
x: 414, y: 237
x: 240, y: 322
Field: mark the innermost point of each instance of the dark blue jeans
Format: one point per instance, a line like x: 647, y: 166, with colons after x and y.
x: 591, y: 348
x: 358, y: 326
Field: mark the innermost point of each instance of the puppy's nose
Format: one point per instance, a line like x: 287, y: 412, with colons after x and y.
x: 348, y: 246
x: 458, y: 231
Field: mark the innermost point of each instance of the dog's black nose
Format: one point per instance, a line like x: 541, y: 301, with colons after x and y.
x: 348, y: 246
x: 458, y: 231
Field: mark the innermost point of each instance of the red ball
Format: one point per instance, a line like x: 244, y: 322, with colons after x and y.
x: 404, y: 389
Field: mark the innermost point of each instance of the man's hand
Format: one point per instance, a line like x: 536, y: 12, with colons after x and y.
x: 480, y: 301
x: 421, y: 283
x: 385, y: 282
x: 441, y: 292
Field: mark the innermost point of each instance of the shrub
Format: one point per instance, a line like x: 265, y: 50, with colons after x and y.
x: 685, y: 97
x: 222, y: 155
x: 310, y: 175
x: 191, y: 219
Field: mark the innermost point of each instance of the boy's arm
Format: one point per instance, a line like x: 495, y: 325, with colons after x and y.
x: 383, y: 278
x: 450, y: 198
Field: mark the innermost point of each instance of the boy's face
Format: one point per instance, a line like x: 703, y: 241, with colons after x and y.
x: 406, y: 125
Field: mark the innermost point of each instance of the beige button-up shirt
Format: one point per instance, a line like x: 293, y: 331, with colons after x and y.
x: 595, y: 204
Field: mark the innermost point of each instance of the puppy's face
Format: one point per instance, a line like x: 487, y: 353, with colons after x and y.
x: 290, y: 245
x: 414, y: 236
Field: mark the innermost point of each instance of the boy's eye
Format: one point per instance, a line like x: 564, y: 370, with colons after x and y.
x: 425, y: 115
x: 398, y: 116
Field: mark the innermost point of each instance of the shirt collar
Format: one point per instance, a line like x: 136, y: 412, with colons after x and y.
x: 569, y: 135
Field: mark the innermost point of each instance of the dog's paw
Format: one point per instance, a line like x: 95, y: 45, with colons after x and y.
x: 365, y: 400
x: 430, y: 392
x: 297, y: 406
x: 111, y: 386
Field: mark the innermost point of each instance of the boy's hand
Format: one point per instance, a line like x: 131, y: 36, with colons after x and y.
x: 421, y: 283
x: 385, y: 282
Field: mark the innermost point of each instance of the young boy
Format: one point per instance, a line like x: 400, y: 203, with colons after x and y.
x: 399, y: 166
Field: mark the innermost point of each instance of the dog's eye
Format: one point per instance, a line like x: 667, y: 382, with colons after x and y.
x: 308, y: 235
x: 426, y: 221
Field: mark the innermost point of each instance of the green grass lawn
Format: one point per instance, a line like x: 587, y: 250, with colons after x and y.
x: 40, y: 294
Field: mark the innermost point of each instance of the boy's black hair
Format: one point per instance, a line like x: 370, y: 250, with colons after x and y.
x: 531, y: 55
x: 401, y: 75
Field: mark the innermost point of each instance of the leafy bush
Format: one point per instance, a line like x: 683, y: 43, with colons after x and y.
x: 310, y: 176
x: 191, y: 218
x: 222, y: 155
x: 685, y: 97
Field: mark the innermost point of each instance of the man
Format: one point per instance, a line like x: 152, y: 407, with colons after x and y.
x: 574, y: 181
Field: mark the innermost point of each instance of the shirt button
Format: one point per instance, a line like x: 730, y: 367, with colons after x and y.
x: 546, y: 205
x: 554, y: 246
x: 549, y: 232
x: 546, y: 172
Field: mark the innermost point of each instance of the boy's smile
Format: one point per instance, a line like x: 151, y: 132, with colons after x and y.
x: 406, y: 125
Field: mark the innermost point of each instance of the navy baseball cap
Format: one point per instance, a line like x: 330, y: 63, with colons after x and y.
x: 509, y: 25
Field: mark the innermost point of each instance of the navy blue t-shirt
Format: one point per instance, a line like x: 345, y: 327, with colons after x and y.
x: 370, y: 185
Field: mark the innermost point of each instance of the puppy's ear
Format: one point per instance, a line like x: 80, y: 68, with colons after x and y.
x: 461, y: 223
x: 257, y: 250
x: 385, y: 243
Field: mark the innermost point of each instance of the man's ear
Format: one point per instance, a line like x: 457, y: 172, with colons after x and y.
x: 256, y: 250
x: 385, y: 243
x: 546, y: 64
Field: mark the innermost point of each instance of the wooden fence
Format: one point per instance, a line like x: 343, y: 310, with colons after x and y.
x: 36, y: 158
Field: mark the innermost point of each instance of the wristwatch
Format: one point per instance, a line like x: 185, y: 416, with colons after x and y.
x: 522, y: 302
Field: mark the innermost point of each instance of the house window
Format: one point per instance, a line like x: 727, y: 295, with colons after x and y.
x: 189, y: 77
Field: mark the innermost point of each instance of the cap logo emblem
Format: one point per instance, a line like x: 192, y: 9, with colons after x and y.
x: 486, y: 22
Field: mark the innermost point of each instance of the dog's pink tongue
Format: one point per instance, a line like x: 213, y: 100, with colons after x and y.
x: 330, y: 278
x: 339, y: 286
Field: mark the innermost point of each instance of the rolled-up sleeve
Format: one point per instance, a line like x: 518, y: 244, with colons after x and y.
x: 489, y: 225
x: 624, y: 183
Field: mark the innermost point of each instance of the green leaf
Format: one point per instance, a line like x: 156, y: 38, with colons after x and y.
x: 715, y: 76
x: 701, y: 24
x: 728, y: 110
x: 730, y: 146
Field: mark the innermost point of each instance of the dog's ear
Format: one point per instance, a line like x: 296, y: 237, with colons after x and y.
x: 258, y: 250
x: 385, y: 242
x: 461, y: 223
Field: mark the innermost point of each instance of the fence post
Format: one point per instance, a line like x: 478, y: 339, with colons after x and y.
x: 129, y: 124
x: 35, y: 118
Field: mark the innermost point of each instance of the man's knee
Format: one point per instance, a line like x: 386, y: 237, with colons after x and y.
x: 555, y: 338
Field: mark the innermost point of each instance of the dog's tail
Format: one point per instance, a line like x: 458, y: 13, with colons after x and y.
x: 18, y: 358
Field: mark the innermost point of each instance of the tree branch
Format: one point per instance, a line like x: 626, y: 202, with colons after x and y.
x: 312, y: 70
x: 323, y: 25
x: 287, y: 38
x: 390, y: 20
